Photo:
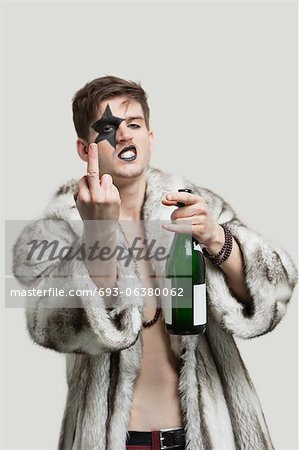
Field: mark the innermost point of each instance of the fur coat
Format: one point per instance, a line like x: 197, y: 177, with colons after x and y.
x: 103, y: 347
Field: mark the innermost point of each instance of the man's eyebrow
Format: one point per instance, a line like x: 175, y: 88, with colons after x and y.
x: 130, y: 118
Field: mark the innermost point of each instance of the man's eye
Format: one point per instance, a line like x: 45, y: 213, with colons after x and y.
x: 134, y: 125
x: 108, y: 129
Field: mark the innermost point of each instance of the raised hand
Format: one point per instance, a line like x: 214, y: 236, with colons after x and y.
x: 97, y: 198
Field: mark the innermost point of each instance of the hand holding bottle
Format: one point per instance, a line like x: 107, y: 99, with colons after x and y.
x: 195, y: 213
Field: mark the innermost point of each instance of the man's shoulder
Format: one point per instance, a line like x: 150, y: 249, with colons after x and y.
x: 180, y: 181
x: 62, y: 204
x: 175, y: 181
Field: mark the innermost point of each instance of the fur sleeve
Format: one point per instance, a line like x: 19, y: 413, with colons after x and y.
x: 81, y: 323
x: 270, y: 276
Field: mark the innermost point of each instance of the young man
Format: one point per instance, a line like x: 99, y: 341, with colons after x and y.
x: 125, y: 373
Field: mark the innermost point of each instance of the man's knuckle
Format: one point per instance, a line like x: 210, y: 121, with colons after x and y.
x: 83, y: 198
x: 107, y: 201
x: 95, y: 198
x: 92, y: 173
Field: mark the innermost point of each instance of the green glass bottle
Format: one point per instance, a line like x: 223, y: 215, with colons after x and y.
x: 186, y: 313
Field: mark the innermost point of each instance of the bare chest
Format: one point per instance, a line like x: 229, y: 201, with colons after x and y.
x: 156, y: 402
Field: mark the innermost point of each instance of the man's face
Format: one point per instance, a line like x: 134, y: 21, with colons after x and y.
x: 124, y: 142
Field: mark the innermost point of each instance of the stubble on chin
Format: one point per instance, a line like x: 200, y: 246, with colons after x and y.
x: 129, y: 172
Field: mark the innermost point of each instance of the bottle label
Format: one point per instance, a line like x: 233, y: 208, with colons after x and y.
x: 197, y: 247
x: 167, y: 302
x: 188, y: 248
x: 199, y: 304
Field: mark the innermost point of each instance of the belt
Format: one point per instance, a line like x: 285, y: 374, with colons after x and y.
x: 170, y: 438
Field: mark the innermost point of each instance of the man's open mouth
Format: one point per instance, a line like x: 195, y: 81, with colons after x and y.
x: 128, y: 153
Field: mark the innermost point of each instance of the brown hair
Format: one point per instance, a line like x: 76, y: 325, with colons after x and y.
x: 86, y: 101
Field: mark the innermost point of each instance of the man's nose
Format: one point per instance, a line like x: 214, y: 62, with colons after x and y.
x: 123, y: 133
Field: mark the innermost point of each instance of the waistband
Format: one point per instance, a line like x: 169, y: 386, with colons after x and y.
x: 168, y: 438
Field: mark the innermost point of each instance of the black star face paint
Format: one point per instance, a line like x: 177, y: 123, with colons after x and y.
x: 106, y: 126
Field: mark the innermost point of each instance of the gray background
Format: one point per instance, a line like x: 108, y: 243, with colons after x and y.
x: 222, y: 84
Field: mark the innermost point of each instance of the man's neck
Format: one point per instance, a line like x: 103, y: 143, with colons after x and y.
x: 132, y: 198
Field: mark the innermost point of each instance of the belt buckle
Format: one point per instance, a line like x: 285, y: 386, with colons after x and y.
x: 165, y: 447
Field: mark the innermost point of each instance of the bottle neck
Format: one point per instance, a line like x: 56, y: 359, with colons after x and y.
x: 183, y: 241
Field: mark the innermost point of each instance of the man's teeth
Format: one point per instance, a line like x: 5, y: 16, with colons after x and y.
x: 129, y: 154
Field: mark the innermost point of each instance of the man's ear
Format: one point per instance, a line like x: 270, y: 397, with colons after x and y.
x: 82, y: 149
x: 151, y: 139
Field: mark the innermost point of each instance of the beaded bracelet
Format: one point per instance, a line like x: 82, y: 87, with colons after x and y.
x: 225, y: 252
